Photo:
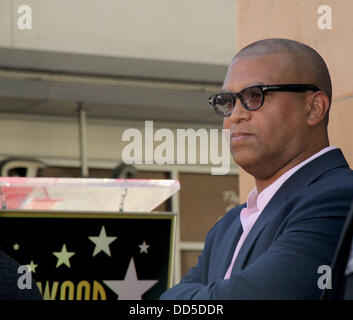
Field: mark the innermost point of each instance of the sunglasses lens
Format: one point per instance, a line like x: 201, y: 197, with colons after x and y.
x: 252, y: 97
x: 223, y: 104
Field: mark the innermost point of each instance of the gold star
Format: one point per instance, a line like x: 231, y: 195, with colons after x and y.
x: 102, y: 242
x: 63, y: 256
x: 32, y: 267
x: 16, y: 247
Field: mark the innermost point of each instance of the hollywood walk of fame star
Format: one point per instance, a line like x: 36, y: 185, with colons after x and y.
x: 102, y: 242
x: 63, y: 256
x: 130, y: 288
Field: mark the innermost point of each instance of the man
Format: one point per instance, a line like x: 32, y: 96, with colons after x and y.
x: 275, y: 101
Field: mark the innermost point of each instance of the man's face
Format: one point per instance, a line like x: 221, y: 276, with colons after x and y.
x: 265, y: 140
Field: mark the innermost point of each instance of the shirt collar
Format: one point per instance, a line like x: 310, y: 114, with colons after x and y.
x: 260, y: 200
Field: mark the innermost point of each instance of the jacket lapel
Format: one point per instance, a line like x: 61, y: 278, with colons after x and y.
x: 226, y: 248
x: 255, y: 231
x: 303, y: 177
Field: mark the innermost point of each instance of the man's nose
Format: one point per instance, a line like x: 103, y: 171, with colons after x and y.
x: 239, y: 113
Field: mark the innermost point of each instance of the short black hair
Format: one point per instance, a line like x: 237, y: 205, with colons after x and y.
x: 307, y: 63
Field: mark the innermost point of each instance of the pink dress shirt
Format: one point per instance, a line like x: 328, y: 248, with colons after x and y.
x: 257, y: 202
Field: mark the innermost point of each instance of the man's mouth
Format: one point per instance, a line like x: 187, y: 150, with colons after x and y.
x: 238, y: 137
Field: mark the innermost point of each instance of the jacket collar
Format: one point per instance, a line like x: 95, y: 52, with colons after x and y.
x: 225, y: 254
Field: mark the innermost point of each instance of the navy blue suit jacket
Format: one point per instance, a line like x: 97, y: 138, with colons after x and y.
x: 296, y: 233
x: 342, y: 284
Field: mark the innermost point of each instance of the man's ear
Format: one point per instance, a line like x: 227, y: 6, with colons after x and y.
x: 319, y: 105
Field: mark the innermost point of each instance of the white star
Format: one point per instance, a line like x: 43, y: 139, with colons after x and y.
x: 130, y: 288
x: 16, y: 247
x: 144, y: 247
x: 102, y: 242
x: 32, y: 267
x: 63, y: 256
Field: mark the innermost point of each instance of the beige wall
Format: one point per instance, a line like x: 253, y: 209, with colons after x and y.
x: 297, y: 20
x: 180, y: 30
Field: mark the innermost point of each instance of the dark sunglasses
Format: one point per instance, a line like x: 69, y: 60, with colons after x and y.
x: 252, y: 98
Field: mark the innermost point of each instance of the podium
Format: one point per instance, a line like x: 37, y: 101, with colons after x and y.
x: 90, y: 239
